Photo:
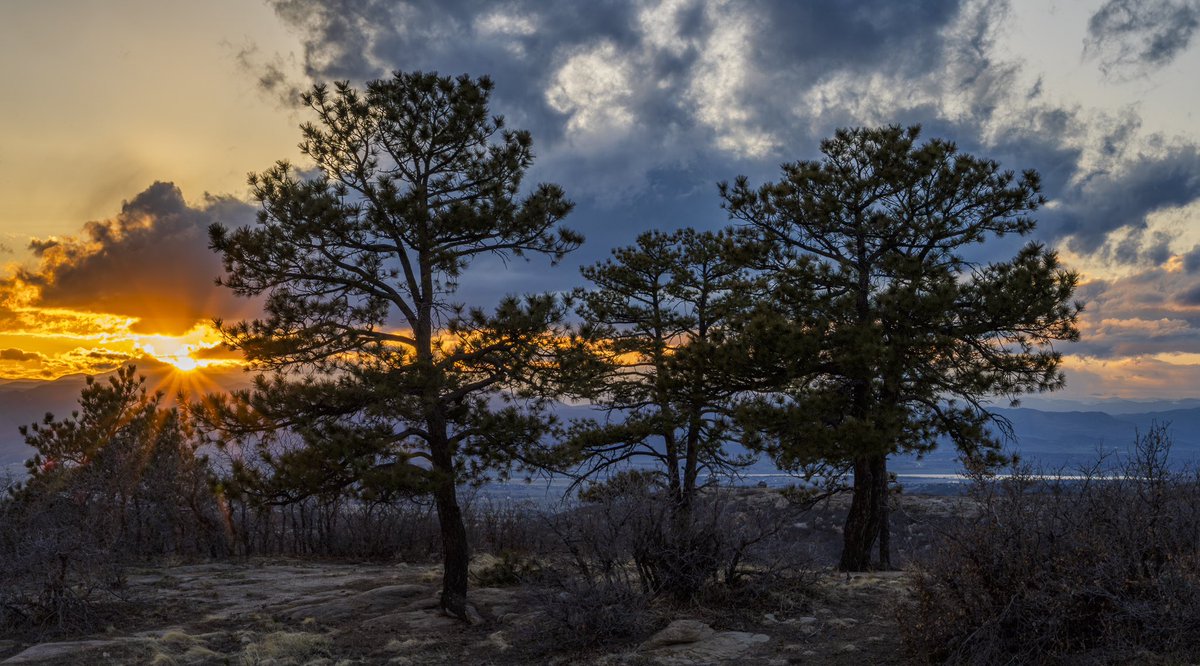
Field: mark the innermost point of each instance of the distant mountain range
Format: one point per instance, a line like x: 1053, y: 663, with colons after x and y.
x: 1054, y: 438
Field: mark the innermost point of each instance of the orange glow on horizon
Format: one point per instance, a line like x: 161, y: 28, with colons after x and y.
x: 49, y: 343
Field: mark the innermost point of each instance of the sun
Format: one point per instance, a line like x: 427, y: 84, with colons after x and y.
x: 185, y: 353
x: 181, y: 363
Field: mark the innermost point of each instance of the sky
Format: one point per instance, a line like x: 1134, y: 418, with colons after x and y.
x: 131, y: 125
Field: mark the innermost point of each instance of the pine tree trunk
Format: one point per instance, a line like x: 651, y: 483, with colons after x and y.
x: 455, y: 553
x: 867, y: 514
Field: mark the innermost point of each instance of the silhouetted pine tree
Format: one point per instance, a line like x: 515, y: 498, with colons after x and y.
x: 906, y: 338
x: 375, y: 366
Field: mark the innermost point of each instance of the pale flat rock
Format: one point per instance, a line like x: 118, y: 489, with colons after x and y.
x: 411, y: 621
x: 691, y: 642
x: 492, y: 596
x: 679, y: 631
x: 48, y: 651
x: 371, y: 602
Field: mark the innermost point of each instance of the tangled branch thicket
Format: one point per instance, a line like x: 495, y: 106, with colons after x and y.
x: 1096, y: 567
x: 629, y: 551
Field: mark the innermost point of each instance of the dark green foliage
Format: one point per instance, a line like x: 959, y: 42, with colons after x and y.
x: 390, y: 384
x: 655, y: 323
x: 1098, y: 569
x: 908, y: 337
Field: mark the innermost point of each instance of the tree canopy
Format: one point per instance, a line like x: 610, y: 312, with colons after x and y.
x: 376, y: 366
x: 656, y: 318
x: 914, y: 339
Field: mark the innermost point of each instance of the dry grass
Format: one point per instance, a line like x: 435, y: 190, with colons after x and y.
x: 283, y: 648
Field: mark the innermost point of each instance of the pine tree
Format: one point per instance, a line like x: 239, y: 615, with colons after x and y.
x: 375, y: 365
x: 655, y: 317
x: 911, y: 338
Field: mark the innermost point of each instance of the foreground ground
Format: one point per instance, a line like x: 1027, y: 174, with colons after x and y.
x: 294, y: 612
x: 281, y: 611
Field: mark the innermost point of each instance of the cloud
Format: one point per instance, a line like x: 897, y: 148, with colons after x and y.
x: 658, y: 97
x: 1131, y: 37
x: 1106, y: 201
x: 673, y: 78
x: 150, y: 262
x: 20, y: 355
x: 277, y: 75
x: 1141, y: 377
x: 1150, y: 311
x: 641, y: 105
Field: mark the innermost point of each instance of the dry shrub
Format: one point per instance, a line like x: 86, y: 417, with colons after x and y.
x: 628, y: 552
x: 500, y: 526
x: 576, y: 612
x: 506, y: 569
x: 724, y: 539
x: 1102, y: 567
x: 59, y: 571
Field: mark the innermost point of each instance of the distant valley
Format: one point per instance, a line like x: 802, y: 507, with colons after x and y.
x: 1064, y: 436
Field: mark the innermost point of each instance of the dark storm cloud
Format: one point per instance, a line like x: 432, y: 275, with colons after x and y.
x: 1191, y: 260
x: 14, y: 354
x: 642, y: 106
x: 151, y: 261
x: 1190, y: 297
x: 1133, y: 36
x: 524, y: 45
x: 1107, y: 201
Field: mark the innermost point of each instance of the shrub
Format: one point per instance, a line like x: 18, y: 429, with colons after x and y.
x: 1096, y: 567
x: 506, y: 569
x: 576, y: 612
x: 722, y: 539
x: 57, y: 566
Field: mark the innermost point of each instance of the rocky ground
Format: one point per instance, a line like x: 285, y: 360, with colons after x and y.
x: 313, y: 612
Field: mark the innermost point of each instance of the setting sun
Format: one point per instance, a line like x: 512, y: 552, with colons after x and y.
x: 182, y: 363
x: 184, y: 352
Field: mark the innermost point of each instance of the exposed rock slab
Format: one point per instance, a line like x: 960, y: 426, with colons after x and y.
x: 75, y: 650
x: 687, y: 642
x: 363, y: 604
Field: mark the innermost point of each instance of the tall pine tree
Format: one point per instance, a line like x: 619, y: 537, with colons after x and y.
x: 913, y: 338
x: 656, y: 317
x: 375, y: 365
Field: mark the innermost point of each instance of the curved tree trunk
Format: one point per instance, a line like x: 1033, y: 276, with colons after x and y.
x: 866, y: 520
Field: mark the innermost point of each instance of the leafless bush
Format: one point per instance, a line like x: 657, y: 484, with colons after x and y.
x: 1099, y: 567
x: 59, y: 566
x: 579, y: 612
x: 724, y: 539
x: 499, y: 526
x: 627, y: 550
x: 332, y: 526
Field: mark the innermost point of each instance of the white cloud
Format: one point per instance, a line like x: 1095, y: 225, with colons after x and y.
x: 659, y: 23
x: 595, y: 88
x: 722, y: 79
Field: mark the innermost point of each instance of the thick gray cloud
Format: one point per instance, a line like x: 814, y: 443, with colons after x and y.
x: 638, y: 107
x: 1105, y: 201
x: 1134, y: 36
x: 626, y: 98
x: 151, y: 261
x: 14, y: 354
